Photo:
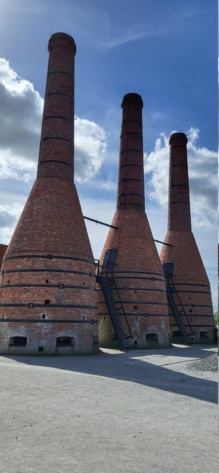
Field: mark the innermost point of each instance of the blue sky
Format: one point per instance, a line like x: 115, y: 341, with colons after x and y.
x: 165, y: 50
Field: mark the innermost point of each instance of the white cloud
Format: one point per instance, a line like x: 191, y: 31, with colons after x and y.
x: 9, y: 215
x: 90, y: 149
x: 20, y: 114
x: 135, y: 33
x: 202, y: 164
x: 20, y: 124
x: 110, y: 183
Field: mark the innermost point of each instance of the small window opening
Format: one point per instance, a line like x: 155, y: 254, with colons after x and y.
x: 204, y: 336
x: 152, y: 336
x: 40, y: 349
x: 43, y: 316
x: 177, y: 334
x: 190, y: 310
x: 64, y: 342
x: 17, y: 341
x: 135, y: 342
x: 8, y: 281
x: 47, y: 281
x: 135, y: 306
x: 47, y: 301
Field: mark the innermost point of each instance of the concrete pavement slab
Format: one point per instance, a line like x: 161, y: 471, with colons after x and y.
x: 132, y: 412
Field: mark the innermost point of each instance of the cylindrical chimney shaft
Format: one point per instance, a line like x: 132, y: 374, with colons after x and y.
x: 57, y: 136
x: 179, y: 218
x: 131, y: 172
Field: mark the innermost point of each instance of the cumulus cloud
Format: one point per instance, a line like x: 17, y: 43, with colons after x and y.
x: 20, y: 122
x: 110, y: 184
x: 90, y: 148
x: 9, y: 215
x: 20, y: 125
x: 202, y: 164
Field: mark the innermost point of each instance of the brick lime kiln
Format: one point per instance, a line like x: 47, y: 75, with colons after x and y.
x: 48, y: 299
x: 188, y: 287
x: 132, y: 301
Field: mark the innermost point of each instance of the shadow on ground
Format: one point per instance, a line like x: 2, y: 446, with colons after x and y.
x: 137, y: 366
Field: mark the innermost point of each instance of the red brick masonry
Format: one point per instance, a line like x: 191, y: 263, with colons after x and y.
x: 3, y: 249
x: 190, y: 277
x: 138, y: 271
x: 48, y: 287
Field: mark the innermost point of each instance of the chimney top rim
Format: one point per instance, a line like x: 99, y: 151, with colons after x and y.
x: 178, y: 136
x: 62, y: 36
x: 130, y: 98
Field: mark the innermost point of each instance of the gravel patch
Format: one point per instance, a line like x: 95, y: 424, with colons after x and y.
x: 207, y: 364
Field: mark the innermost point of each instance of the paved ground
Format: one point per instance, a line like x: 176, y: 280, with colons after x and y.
x: 140, y: 411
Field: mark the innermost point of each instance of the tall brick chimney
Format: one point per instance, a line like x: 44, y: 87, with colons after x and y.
x: 138, y: 282
x: 182, y: 262
x: 48, y: 298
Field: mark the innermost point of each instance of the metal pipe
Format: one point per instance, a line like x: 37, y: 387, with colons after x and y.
x: 101, y: 223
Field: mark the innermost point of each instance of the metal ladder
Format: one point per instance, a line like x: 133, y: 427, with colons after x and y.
x: 171, y: 290
x: 108, y: 284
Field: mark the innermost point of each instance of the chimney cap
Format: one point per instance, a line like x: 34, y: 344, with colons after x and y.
x: 130, y: 99
x: 178, y: 137
x: 58, y: 38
